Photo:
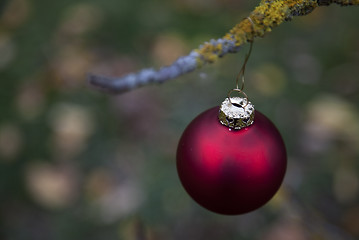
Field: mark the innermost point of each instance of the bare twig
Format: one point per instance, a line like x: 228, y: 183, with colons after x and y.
x: 267, y: 15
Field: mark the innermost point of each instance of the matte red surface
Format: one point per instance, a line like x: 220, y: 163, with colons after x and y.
x: 231, y: 171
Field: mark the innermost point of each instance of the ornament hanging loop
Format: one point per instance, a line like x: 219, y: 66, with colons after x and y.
x: 238, y: 112
x: 243, y: 68
x: 244, y: 104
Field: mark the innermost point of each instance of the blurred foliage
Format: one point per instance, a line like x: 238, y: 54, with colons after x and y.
x: 76, y: 163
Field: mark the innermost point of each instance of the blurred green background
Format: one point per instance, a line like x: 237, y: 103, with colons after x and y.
x: 76, y: 163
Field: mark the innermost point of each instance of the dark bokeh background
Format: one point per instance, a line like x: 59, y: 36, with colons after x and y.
x: 76, y: 163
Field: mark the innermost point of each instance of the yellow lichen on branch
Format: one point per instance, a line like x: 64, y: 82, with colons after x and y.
x: 262, y: 19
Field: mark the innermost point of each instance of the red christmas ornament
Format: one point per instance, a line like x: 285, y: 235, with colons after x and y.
x: 231, y: 171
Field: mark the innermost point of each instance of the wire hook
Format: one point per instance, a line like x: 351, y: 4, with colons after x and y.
x: 242, y: 71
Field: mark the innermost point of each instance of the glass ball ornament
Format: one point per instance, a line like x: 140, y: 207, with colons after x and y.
x: 231, y: 159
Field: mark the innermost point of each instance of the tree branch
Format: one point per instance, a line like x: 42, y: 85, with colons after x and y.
x: 266, y: 16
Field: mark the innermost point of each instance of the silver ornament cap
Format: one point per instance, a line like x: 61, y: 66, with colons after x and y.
x: 236, y: 113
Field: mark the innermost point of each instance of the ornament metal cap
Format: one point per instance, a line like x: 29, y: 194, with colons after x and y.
x: 236, y: 112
